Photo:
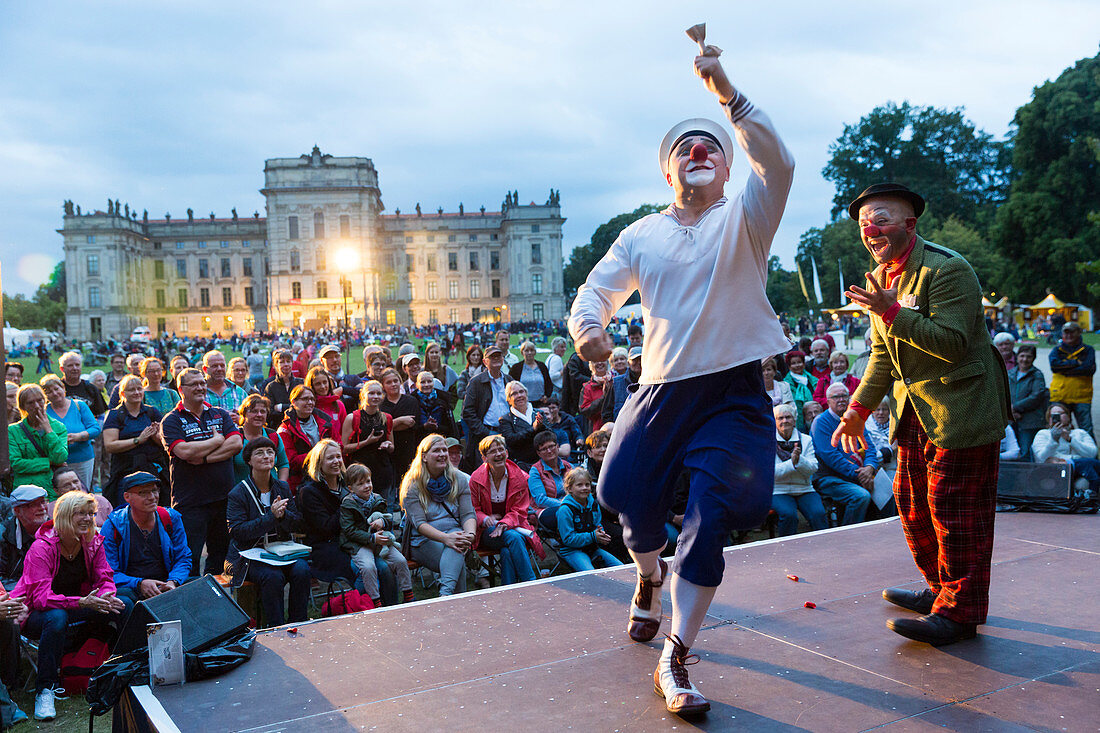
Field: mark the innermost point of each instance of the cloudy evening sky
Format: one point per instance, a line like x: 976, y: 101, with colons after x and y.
x: 169, y: 106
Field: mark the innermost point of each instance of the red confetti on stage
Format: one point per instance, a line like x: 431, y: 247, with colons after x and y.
x: 793, y: 577
x: 810, y: 604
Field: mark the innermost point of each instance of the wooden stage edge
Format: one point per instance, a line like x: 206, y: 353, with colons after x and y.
x: 553, y: 654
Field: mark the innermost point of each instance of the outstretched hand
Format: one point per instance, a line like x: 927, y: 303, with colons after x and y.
x: 878, y: 299
x: 849, y: 434
x: 594, y: 345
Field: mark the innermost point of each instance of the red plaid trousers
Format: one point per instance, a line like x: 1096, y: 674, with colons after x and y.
x: 947, y: 499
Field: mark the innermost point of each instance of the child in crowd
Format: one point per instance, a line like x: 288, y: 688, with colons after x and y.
x: 435, y: 414
x: 582, y: 537
x: 365, y: 534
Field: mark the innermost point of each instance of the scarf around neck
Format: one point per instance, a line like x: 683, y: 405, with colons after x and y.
x: 439, y: 488
x: 529, y: 416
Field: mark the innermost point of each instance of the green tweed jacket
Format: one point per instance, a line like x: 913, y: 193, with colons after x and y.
x: 937, y: 354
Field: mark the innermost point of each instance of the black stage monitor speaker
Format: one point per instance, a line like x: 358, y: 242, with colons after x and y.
x: 1034, y: 481
x: 206, y: 613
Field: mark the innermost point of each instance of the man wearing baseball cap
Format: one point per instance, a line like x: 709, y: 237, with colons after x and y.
x: 931, y: 352
x: 485, y: 403
x: 701, y: 268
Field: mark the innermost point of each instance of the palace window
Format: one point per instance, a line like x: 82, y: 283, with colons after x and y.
x: 318, y: 225
x: 322, y: 289
x: 296, y: 290
x: 292, y: 227
x: 227, y: 297
x: 93, y: 265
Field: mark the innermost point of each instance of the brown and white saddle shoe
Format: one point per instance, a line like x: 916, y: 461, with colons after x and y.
x: 670, y: 681
x: 645, y: 606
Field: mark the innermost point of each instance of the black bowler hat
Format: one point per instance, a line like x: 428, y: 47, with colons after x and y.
x: 887, y: 189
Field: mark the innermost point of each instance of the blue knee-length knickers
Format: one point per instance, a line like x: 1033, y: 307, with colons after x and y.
x: 717, y: 426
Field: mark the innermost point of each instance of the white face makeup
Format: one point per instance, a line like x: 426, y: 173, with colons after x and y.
x: 699, y: 176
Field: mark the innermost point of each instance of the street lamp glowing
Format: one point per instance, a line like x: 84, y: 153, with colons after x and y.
x: 347, y: 259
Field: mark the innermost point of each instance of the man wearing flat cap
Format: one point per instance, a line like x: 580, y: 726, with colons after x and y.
x: 21, y: 515
x: 949, y: 407
x: 146, y: 544
x: 701, y: 268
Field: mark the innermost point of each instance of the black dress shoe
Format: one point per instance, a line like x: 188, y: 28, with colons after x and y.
x: 932, y: 629
x: 920, y: 600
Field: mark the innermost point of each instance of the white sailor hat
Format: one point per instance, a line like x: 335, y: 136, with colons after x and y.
x: 694, y: 126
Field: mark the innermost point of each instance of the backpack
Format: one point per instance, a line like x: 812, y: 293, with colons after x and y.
x: 78, y: 666
x: 350, y: 601
x: 165, y: 519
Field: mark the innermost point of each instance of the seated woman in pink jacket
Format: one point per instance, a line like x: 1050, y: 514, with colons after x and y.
x: 66, y: 578
x: 838, y: 372
x: 498, y: 491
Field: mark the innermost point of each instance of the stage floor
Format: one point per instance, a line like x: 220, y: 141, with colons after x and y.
x: 553, y: 655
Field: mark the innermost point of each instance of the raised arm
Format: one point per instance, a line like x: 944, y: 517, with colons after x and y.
x: 772, y: 164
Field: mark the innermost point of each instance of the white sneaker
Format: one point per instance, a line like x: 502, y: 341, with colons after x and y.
x: 43, y: 705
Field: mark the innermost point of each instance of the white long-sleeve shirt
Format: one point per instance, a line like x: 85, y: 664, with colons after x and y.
x: 702, y: 286
x: 796, y: 479
x: 1080, y: 445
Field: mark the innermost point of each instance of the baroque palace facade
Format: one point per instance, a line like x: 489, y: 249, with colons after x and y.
x: 324, y: 237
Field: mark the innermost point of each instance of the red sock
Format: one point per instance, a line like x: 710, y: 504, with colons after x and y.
x: 409, y: 597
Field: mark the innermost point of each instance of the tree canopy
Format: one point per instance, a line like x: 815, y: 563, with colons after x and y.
x: 1048, y: 224
x: 45, y: 310
x: 936, y: 152
x: 585, y: 257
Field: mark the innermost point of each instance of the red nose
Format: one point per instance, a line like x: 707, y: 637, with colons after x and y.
x: 698, y: 152
x: 871, y: 231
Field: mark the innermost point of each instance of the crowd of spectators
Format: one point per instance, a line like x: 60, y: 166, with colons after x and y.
x: 176, y: 457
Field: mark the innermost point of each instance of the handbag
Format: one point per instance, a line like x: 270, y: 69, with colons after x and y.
x: 406, y: 537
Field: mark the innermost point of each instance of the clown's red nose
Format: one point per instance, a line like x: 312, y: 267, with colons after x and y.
x: 871, y: 231
x: 698, y: 152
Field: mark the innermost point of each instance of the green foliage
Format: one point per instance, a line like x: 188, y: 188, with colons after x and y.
x: 45, y: 310
x: 972, y: 244
x: 838, y: 240
x: 936, y: 152
x: 585, y: 257
x: 1048, y: 224
x: 784, y: 291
